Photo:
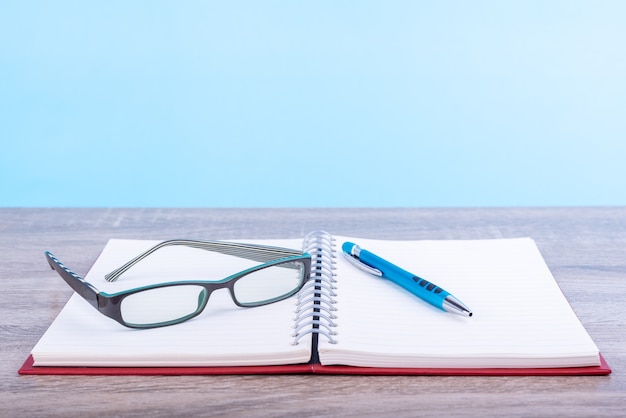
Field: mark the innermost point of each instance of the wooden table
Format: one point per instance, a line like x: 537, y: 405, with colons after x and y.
x: 584, y: 247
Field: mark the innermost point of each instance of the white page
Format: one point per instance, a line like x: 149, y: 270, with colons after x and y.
x: 223, y: 335
x: 521, y: 318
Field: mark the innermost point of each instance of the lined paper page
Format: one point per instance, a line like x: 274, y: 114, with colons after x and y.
x: 223, y: 335
x: 521, y: 318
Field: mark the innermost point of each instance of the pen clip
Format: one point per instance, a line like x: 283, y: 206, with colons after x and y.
x: 362, y: 266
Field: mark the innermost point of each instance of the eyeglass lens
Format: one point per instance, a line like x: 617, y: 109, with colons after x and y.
x: 268, y: 284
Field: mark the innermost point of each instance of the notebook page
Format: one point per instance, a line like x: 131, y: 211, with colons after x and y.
x: 521, y: 318
x: 223, y: 334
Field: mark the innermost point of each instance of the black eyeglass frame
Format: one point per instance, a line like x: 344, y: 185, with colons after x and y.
x: 109, y: 304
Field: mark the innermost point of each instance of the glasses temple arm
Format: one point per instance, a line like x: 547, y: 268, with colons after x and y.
x: 80, y: 286
x: 260, y: 253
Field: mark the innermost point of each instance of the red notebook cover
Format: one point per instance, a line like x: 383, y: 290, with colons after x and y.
x: 28, y: 369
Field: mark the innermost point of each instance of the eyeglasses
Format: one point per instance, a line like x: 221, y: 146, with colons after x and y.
x: 282, y: 274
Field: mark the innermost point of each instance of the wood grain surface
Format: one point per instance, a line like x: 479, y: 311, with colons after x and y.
x: 584, y: 247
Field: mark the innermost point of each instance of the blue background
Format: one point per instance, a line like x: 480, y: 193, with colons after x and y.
x: 312, y: 103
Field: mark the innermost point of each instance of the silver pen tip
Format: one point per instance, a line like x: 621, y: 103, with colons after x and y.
x: 453, y: 305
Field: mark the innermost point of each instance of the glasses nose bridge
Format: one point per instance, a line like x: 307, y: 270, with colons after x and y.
x: 218, y: 291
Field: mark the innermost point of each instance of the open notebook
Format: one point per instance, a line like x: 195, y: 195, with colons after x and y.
x: 522, y: 323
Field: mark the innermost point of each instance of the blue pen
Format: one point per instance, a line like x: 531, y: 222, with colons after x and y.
x: 421, y: 288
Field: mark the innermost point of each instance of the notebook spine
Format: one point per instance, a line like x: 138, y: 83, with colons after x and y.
x: 315, y: 309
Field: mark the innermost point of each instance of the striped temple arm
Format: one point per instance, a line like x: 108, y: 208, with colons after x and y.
x: 76, y: 282
x: 254, y: 252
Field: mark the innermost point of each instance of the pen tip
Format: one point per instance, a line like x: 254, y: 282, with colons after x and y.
x: 453, y: 305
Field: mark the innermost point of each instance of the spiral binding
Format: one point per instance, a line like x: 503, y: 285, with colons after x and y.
x: 315, y: 310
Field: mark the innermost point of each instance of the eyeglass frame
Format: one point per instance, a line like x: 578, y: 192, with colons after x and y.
x: 109, y: 304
